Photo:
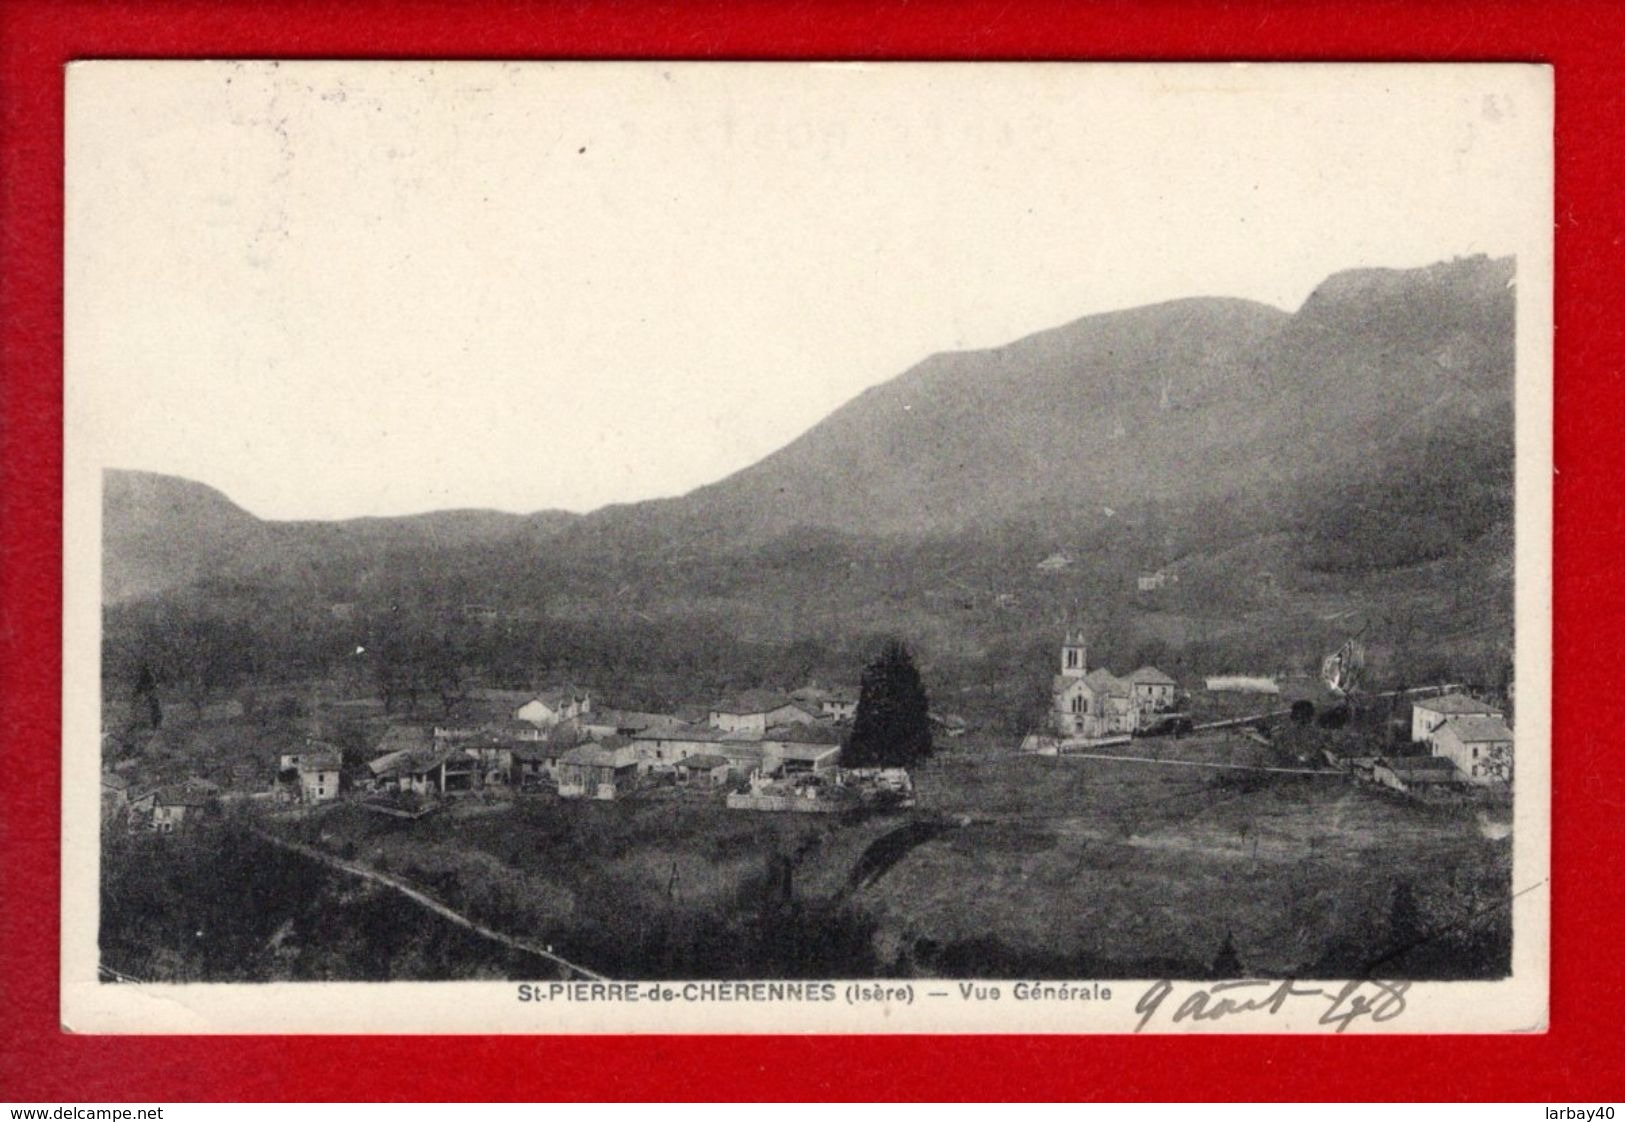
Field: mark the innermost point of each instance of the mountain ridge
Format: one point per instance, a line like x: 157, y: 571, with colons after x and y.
x: 1178, y: 403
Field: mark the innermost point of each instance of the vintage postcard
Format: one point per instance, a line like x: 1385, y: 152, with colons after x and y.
x: 662, y: 547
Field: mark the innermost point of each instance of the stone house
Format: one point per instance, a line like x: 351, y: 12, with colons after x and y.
x: 549, y: 707
x: 756, y: 711
x: 430, y: 771
x: 600, y: 770
x: 839, y: 705
x: 1428, y: 715
x: 319, y: 770
x: 1479, y: 746
x: 1152, y: 690
x: 800, y: 747
x: 167, y: 810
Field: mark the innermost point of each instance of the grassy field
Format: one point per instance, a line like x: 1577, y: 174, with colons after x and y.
x: 1009, y: 866
x: 1109, y: 864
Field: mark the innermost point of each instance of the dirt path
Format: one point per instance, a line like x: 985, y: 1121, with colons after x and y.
x: 429, y: 902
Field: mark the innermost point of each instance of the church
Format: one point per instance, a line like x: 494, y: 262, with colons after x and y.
x: 1096, y: 703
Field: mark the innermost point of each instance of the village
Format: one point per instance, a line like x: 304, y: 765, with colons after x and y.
x: 757, y: 750
x: 764, y: 750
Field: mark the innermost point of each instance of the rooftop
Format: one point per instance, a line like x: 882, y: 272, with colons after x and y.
x: 416, y: 761
x: 1151, y: 676
x: 614, y: 752
x: 1104, y: 681
x: 1477, y: 729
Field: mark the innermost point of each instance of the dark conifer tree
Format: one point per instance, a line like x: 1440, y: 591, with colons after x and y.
x: 1404, y: 918
x: 892, y: 727
x: 146, y: 696
x: 1227, y: 963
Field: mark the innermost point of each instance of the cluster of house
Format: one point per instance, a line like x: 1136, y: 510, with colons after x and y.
x: 1468, y: 742
x: 163, y: 809
x: 555, y: 740
x: 1091, y: 704
x: 558, y: 739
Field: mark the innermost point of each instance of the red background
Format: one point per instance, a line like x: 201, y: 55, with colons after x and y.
x: 1579, y: 1059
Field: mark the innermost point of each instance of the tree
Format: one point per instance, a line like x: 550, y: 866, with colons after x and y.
x: 145, y: 697
x: 892, y: 727
x: 1404, y: 919
x: 1227, y: 963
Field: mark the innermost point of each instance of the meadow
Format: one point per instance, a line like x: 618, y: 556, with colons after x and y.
x: 1009, y: 866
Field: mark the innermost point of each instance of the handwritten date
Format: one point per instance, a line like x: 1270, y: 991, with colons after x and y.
x: 1344, y: 1004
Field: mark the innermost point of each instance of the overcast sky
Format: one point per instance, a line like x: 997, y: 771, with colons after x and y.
x: 336, y: 289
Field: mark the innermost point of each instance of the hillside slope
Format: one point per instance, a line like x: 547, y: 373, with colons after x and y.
x: 161, y: 532
x: 1174, y: 403
x: 1382, y: 407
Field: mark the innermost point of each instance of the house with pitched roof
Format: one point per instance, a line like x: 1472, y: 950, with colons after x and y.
x: 662, y: 747
x: 839, y: 705
x: 598, y: 770
x: 799, y: 747
x: 1429, y: 715
x: 549, y: 707
x: 1480, y: 747
x: 425, y: 771
x: 493, y: 758
x: 1152, y: 690
x: 168, y: 809
x: 744, y: 752
x: 756, y: 711
x: 603, y: 723
x: 319, y: 766
x: 535, y: 763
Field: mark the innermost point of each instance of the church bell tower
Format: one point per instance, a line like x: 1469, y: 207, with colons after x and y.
x: 1074, y: 655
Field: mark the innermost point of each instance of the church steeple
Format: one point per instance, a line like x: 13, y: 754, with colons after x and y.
x: 1074, y: 655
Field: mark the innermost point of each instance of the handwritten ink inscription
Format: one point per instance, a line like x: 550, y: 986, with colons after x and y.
x: 1343, y: 1004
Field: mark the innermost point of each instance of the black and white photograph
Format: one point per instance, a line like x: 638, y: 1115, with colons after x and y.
x: 756, y: 547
